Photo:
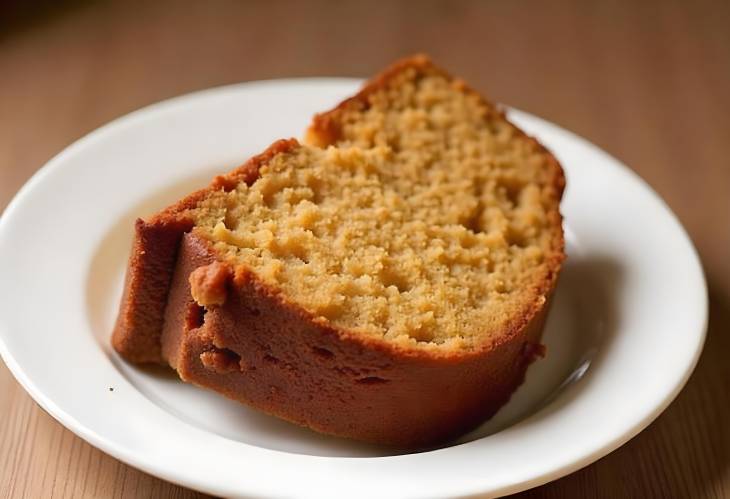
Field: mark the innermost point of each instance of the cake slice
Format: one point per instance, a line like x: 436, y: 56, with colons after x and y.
x: 387, y: 281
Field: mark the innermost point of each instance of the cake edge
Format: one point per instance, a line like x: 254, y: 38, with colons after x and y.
x: 152, y: 260
x: 260, y: 350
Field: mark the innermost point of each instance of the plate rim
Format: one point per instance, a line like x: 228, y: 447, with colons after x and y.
x: 147, y: 112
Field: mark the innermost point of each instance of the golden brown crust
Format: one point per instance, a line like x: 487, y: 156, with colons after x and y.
x: 136, y: 334
x: 260, y: 350
x: 251, y: 345
x: 137, y: 330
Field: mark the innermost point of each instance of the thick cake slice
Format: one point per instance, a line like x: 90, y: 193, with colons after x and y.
x: 386, y: 282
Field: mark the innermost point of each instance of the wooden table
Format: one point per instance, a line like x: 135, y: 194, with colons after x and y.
x: 648, y: 82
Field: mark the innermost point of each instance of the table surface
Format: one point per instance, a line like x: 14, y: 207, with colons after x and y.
x: 648, y: 82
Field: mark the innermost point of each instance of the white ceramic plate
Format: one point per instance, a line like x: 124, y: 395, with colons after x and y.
x: 625, y: 332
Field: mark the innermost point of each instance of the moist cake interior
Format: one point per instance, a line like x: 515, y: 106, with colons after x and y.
x: 427, y: 224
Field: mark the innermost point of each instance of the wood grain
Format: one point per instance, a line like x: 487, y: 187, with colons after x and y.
x: 647, y: 81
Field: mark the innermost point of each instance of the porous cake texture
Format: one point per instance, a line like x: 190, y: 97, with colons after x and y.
x: 387, y: 280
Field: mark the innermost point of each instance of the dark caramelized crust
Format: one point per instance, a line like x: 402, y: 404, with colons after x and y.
x: 137, y: 331
x: 267, y: 353
x: 223, y: 328
x: 139, y: 324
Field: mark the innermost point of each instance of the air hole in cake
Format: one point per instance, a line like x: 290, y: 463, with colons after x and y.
x: 268, y: 189
x: 516, y: 238
x: 316, y: 185
x: 195, y: 316
x: 474, y: 224
x: 391, y: 277
x: 372, y: 380
x: 271, y: 359
x: 221, y: 360
x: 423, y: 332
x: 230, y: 221
x: 513, y: 190
x: 322, y: 352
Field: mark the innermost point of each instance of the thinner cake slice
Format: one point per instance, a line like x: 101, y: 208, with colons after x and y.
x: 387, y: 281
